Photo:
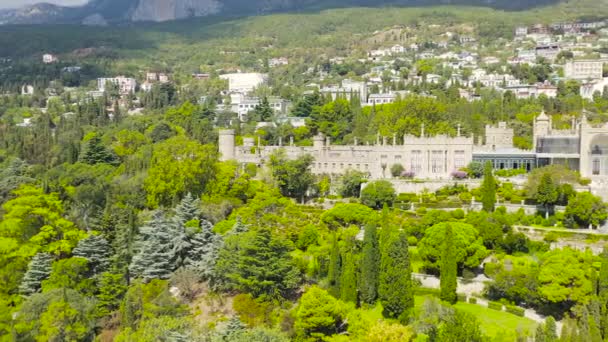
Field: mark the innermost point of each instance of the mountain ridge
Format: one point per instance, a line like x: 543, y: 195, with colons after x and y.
x: 101, y: 12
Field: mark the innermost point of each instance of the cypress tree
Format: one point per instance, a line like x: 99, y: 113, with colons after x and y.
x: 550, y: 329
x: 448, y: 268
x: 370, y: 265
x: 395, y: 288
x: 38, y: 270
x: 539, y: 336
x: 155, y: 250
x: 488, y: 189
x: 348, y: 279
x: 335, y: 268
x: 603, y: 292
x: 96, y: 250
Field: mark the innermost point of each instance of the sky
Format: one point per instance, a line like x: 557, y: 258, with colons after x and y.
x: 19, y: 3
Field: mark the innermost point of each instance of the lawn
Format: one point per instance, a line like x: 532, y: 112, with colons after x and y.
x: 498, y: 325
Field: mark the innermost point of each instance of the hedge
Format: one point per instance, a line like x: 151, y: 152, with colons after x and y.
x: 423, y: 291
x: 472, y: 300
x: 516, y: 310
x: 495, y: 306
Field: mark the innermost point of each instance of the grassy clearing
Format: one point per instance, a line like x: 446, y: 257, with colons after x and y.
x: 498, y: 325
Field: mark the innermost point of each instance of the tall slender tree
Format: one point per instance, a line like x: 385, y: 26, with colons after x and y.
x: 395, y: 285
x: 370, y: 265
x: 335, y: 267
x: 488, y: 189
x: 348, y: 278
x: 448, y: 268
x: 603, y: 291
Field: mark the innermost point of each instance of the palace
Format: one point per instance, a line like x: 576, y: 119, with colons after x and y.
x: 583, y: 148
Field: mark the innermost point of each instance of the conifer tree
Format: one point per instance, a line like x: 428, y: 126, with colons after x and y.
x: 97, y: 251
x: 370, y: 265
x: 335, y: 268
x: 96, y: 153
x: 38, y: 270
x: 603, y: 291
x: 184, y: 224
x: 547, y: 193
x: 205, y: 250
x: 348, y: 279
x: 448, y: 268
x: 539, y: 335
x: 395, y: 288
x: 550, y: 330
x: 155, y: 250
x: 488, y: 189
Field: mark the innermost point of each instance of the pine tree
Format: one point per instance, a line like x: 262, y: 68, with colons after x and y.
x: 370, y: 265
x: 155, y: 250
x: 395, y: 288
x: 38, y: 270
x: 238, y: 228
x: 205, y: 250
x: 96, y: 250
x: 348, y: 279
x: 488, y: 189
x: 335, y: 267
x: 187, y: 213
x: 96, y: 153
x: 448, y: 268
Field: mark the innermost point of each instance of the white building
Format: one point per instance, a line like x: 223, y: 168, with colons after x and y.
x: 242, y: 105
x: 244, y: 82
x: 48, y: 58
x: 348, y: 88
x: 589, y: 88
x: 521, y: 31
x: 125, y: 85
x: 587, y: 69
x: 397, y: 49
x: 27, y: 90
x: 275, y: 62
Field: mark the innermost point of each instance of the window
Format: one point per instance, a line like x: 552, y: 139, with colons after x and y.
x: 596, y: 167
x: 416, y: 161
x: 437, y: 161
x: 459, y: 161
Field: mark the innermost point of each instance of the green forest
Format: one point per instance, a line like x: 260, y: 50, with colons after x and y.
x: 119, y: 224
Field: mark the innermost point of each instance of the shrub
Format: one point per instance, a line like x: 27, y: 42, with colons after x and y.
x: 406, y: 197
x: 412, y: 241
x: 465, y: 197
x: 408, y: 174
x: 516, y: 310
x: 378, y: 193
x: 495, y: 306
x: 459, y: 174
x: 472, y: 300
x: 397, y: 170
x: 462, y: 297
x: 584, y: 181
x: 550, y: 237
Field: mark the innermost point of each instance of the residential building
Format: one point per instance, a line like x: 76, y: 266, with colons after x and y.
x: 586, y: 69
x: 275, y: 62
x: 48, y: 58
x: 244, y: 82
x: 125, y: 85
x: 348, y: 88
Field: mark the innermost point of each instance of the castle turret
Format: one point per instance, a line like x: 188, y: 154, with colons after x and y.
x: 226, y: 144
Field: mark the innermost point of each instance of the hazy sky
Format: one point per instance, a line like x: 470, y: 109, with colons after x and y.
x: 19, y: 3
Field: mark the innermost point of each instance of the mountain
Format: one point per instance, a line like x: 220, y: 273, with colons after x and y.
x: 101, y: 12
